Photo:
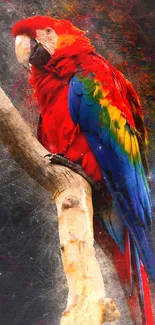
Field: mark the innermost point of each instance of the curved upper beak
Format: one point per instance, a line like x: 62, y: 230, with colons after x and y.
x: 30, y: 51
x: 23, y: 50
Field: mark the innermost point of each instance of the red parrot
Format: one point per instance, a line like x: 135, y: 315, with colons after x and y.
x: 90, y: 113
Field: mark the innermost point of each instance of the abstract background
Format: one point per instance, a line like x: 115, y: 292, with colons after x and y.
x: 33, y: 288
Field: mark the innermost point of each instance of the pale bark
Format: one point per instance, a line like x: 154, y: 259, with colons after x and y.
x: 87, y: 303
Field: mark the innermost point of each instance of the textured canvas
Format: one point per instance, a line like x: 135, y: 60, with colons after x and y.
x: 33, y: 288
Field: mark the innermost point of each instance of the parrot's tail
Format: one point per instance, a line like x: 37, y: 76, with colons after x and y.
x: 132, y: 275
x: 144, y: 292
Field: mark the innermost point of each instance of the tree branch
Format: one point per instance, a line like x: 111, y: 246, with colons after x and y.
x: 72, y: 194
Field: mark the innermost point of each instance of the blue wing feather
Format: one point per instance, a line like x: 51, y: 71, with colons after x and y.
x: 126, y: 181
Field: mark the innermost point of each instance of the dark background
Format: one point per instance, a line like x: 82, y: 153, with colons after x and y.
x: 32, y: 284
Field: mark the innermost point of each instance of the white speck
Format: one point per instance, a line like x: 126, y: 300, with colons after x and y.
x: 100, y: 147
x: 0, y: 273
x: 31, y: 258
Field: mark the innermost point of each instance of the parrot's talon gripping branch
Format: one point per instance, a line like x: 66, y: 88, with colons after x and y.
x: 51, y: 155
x: 87, y: 303
x: 60, y: 159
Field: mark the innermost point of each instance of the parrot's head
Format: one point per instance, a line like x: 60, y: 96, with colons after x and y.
x: 39, y: 39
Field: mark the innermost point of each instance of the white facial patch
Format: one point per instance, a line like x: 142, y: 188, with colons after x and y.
x: 22, y: 49
x: 48, y: 39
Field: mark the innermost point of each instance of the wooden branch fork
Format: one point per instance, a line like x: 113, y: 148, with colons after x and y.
x: 87, y: 304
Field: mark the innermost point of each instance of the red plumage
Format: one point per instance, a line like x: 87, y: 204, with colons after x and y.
x: 51, y: 90
x: 30, y: 25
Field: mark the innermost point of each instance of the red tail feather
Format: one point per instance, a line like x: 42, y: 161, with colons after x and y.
x: 123, y: 264
x: 147, y: 307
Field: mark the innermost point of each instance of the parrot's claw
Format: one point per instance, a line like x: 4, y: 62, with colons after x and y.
x: 61, y: 159
x: 60, y: 154
x: 58, y: 158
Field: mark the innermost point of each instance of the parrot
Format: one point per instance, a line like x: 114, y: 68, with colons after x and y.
x: 91, y: 114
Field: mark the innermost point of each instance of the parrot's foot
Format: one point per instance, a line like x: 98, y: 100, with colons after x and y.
x: 60, y: 154
x: 60, y: 159
x: 51, y: 155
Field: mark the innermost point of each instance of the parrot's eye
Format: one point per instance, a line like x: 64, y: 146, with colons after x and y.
x: 48, y: 30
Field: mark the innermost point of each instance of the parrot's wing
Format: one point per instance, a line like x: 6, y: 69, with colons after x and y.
x: 139, y: 124
x: 115, y: 145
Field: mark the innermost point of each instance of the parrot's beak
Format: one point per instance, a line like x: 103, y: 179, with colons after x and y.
x: 29, y: 51
x: 23, y: 50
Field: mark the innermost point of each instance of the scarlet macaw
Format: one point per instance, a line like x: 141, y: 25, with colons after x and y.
x: 91, y: 114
